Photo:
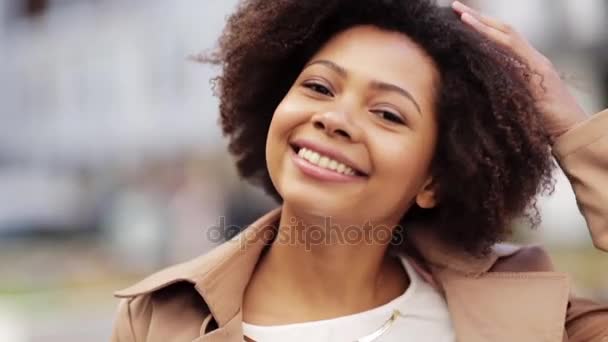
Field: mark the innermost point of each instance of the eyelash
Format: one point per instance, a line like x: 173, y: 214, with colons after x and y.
x: 389, y: 116
x: 315, y: 87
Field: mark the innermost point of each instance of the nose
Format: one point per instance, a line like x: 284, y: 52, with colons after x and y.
x: 336, y: 124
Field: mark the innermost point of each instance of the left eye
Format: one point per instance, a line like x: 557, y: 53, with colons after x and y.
x: 389, y: 116
x: 318, y: 88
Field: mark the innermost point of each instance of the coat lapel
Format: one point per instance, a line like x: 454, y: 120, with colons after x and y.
x: 485, y: 305
x: 500, y: 306
x: 223, y: 286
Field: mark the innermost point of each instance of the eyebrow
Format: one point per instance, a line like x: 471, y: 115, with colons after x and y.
x: 375, y: 84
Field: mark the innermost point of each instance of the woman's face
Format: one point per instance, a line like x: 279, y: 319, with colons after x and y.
x: 354, y: 136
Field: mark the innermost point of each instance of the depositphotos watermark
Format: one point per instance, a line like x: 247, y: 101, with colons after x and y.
x: 297, y: 233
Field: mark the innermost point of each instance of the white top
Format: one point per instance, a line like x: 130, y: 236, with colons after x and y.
x: 424, y: 317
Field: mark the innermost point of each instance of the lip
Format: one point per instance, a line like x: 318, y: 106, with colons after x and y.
x: 320, y: 173
x: 330, y: 152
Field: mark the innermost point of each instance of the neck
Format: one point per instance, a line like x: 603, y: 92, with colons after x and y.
x: 324, y: 270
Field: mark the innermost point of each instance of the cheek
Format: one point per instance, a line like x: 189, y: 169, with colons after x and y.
x: 285, y: 118
x: 400, y: 166
x: 273, y: 147
x: 288, y: 114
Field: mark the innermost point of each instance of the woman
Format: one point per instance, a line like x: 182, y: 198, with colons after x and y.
x: 401, y: 139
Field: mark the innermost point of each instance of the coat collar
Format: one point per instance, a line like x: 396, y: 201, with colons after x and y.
x: 222, y: 275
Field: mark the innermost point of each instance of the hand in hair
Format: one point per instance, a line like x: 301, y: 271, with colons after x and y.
x: 559, y: 108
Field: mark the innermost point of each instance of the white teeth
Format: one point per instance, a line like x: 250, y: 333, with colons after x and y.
x: 325, y: 162
x: 340, y: 168
x: 333, y: 164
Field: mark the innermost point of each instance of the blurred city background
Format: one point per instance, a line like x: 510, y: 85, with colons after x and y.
x: 112, y: 164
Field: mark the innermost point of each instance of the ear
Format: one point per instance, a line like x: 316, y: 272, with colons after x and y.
x: 427, y: 197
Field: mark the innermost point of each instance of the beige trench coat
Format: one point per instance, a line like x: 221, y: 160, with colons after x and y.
x: 513, y: 294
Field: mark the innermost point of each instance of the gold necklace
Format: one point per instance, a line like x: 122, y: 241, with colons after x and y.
x: 367, y: 338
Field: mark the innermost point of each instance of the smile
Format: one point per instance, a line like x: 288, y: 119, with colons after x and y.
x: 324, y: 163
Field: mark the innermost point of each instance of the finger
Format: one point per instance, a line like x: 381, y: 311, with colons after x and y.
x: 494, y: 23
x: 490, y: 32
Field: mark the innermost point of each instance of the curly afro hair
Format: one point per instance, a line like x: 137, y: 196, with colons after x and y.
x: 492, y: 156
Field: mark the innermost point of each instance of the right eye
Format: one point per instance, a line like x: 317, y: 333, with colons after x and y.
x: 318, y: 88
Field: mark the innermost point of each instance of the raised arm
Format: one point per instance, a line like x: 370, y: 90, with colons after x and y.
x: 580, y: 142
x: 582, y: 153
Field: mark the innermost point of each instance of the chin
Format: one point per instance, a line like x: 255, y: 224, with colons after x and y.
x: 316, y: 203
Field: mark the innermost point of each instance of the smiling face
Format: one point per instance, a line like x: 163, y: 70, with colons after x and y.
x: 354, y: 136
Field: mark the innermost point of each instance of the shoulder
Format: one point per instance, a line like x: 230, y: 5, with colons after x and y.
x: 521, y: 258
x: 160, y: 313
x: 169, y: 295
x: 209, y: 286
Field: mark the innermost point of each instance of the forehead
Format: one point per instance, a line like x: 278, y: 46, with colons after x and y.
x: 373, y: 53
